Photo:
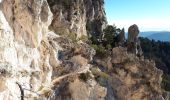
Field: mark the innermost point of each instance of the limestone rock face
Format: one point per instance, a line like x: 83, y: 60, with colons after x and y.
x: 37, y: 64
x: 78, y: 16
x: 24, y: 48
x: 87, y: 92
x: 135, y: 79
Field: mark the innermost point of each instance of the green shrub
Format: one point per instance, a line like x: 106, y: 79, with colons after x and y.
x: 83, y: 38
x: 99, y: 73
x: 61, y: 31
x: 100, y: 50
x: 110, y: 34
x: 143, y: 81
x: 88, y: 26
x: 72, y: 36
x: 166, y: 82
x: 94, y: 39
x: 66, y: 3
x: 108, y: 46
x: 84, y: 76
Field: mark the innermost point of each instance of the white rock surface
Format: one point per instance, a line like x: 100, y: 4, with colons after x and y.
x: 24, y: 48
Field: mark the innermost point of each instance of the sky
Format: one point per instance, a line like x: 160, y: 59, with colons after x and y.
x: 149, y: 15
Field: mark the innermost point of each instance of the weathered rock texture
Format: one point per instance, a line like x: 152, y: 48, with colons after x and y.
x: 131, y: 78
x: 32, y: 62
x: 133, y: 41
x: 135, y: 79
x: 121, y: 37
x: 78, y: 16
x: 24, y: 48
x: 133, y: 32
x: 37, y: 64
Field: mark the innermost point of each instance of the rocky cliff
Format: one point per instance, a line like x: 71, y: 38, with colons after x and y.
x: 30, y: 58
x: 25, y: 51
x: 37, y: 64
x: 82, y: 17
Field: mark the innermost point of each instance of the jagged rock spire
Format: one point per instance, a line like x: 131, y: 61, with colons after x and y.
x: 133, y: 42
x: 121, y: 37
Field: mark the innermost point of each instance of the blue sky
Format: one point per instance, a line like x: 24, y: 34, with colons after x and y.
x: 149, y: 15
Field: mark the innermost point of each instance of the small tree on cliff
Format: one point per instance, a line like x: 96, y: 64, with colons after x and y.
x: 110, y: 34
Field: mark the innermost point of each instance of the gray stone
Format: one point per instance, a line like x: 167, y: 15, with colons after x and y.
x: 133, y: 32
x: 121, y: 37
x: 133, y: 44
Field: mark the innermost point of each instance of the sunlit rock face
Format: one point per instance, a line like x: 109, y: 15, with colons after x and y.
x: 49, y: 66
x: 29, y: 54
x: 24, y: 49
x: 82, y: 17
x: 134, y: 78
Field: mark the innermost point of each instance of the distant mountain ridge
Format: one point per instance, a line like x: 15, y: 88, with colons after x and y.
x: 156, y: 35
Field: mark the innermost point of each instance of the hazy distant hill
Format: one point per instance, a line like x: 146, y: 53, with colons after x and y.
x: 143, y: 34
x: 162, y: 35
x: 146, y: 34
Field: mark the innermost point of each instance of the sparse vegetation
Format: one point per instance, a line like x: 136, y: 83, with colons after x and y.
x: 157, y: 51
x: 100, y: 50
x: 72, y: 36
x: 166, y: 82
x: 99, y: 73
x: 66, y: 3
x: 88, y: 26
x: 83, y: 38
x: 103, y: 44
x: 160, y: 53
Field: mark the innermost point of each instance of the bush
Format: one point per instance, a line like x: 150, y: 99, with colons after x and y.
x: 108, y: 46
x: 61, y: 31
x: 66, y: 3
x: 94, y: 39
x: 100, y: 50
x: 83, y: 38
x: 84, y: 76
x: 99, y: 73
x: 110, y: 34
x: 72, y: 36
x: 166, y: 82
x: 88, y: 26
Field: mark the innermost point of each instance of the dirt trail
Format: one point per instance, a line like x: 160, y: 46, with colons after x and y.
x: 56, y: 80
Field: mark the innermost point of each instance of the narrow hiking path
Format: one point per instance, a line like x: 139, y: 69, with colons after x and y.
x: 56, y: 80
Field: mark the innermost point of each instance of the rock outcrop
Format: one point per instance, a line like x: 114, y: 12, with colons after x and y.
x: 131, y: 78
x: 81, y: 17
x: 133, y: 32
x: 25, y: 51
x: 37, y: 64
x: 121, y: 37
x: 133, y: 44
x: 35, y: 61
x: 134, y: 78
